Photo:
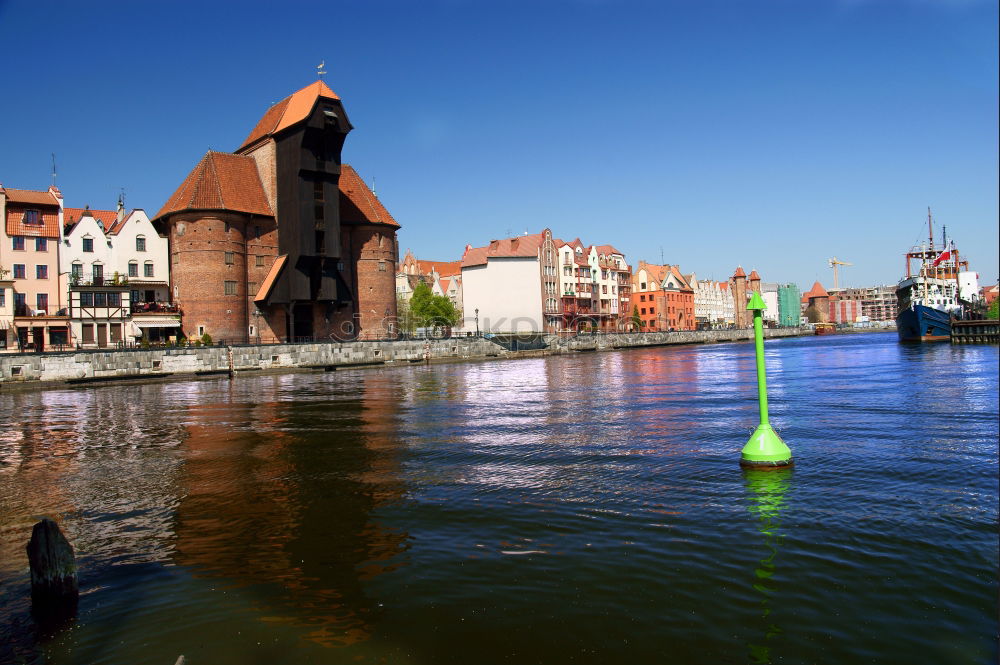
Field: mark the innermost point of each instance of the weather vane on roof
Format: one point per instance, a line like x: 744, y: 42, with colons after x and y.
x: 319, y: 69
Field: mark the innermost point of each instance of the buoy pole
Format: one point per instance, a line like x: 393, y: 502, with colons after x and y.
x: 765, y: 449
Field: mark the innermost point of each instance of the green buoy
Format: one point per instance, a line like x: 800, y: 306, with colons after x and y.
x: 765, y: 449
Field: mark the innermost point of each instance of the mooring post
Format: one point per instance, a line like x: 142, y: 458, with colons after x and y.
x: 765, y: 449
x: 53, y: 567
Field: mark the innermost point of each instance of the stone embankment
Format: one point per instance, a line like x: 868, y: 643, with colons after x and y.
x: 79, y: 367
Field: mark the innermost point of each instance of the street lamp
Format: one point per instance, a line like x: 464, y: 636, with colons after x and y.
x: 477, y: 322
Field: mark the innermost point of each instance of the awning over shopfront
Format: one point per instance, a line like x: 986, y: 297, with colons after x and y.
x: 156, y: 322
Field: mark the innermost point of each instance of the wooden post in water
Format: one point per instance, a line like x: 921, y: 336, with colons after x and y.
x: 53, y: 568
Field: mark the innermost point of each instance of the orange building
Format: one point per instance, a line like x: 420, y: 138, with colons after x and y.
x: 663, y: 298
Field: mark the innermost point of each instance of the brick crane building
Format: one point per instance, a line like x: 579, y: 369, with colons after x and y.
x: 279, y: 239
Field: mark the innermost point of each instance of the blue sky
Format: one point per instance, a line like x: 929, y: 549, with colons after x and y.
x: 769, y: 134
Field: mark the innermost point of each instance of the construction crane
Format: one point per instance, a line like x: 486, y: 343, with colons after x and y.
x: 834, y: 262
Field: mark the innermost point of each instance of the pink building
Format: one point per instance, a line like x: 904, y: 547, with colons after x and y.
x: 29, y: 250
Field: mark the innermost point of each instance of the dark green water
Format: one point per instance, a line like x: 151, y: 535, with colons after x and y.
x: 580, y: 509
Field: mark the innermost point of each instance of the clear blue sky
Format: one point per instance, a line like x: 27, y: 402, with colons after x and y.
x: 764, y: 133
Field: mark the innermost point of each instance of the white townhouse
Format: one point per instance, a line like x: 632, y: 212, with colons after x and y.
x: 117, y: 265
x: 713, y: 306
x: 511, y: 285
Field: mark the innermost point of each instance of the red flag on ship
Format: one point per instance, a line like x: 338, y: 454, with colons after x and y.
x: 945, y: 255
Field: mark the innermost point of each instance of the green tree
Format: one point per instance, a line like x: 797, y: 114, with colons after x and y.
x: 994, y: 311
x: 636, y: 321
x: 429, y: 310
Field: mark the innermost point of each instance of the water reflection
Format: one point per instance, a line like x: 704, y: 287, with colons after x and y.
x: 766, y: 494
x: 283, y: 504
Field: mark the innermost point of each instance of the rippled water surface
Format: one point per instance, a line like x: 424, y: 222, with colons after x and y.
x: 576, y: 509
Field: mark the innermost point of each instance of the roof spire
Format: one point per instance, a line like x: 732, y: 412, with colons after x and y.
x: 320, y: 69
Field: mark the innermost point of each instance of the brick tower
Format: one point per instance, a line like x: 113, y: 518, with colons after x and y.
x: 288, y: 265
x: 738, y: 287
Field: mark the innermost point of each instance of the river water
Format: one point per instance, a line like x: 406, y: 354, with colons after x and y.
x: 574, y: 509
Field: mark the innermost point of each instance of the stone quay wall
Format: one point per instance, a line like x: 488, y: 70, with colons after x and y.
x: 123, y: 364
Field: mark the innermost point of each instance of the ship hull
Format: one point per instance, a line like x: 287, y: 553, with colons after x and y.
x: 923, y: 324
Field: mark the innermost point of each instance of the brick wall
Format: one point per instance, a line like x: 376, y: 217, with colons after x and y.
x: 200, y: 269
x: 374, y: 253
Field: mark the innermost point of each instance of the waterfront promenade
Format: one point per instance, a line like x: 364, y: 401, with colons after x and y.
x: 23, y: 370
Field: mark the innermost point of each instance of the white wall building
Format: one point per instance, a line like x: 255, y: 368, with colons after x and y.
x: 511, y: 285
x: 712, y: 305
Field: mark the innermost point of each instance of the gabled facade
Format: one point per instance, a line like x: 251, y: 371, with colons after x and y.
x: 664, y: 298
x: 444, y: 278
x: 29, y: 248
x: 710, y: 303
x: 118, y: 277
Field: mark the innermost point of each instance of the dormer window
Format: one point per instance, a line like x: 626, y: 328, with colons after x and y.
x: 32, y: 217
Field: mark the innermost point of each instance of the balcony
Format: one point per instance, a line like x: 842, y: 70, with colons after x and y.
x: 155, y: 308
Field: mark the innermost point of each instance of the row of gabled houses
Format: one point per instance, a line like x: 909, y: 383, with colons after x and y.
x: 76, y: 276
x: 540, y: 283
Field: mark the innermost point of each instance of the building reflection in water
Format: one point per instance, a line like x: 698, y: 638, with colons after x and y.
x: 279, y: 492
x: 766, y: 495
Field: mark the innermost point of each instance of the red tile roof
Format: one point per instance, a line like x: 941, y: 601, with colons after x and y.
x: 607, y: 249
x: 519, y: 246
x: 220, y: 181
x: 289, y: 111
x: 19, y: 200
x: 72, y: 215
x: 754, y: 275
x: 359, y: 205
x: 31, y: 197
x: 817, y: 291
x: 739, y: 272
x: 443, y: 268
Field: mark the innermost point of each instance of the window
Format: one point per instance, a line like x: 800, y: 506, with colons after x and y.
x: 642, y: 311
x: 227, y: 227
x: 230, y: 258
x: 133, y: 269
x: 88, y: 244
x: 41, y: 272
x: 100, y: 299
x: 147, y: 269
x: 133, y: 296
x: 86, y: 299
x: 642, y: 286
x: 230, y: 288
x: 98, y: 275
x: 18, y: 271
x: 32, y: 217
x: 260, y: 261
x: 17, y: 242
x: 256, y: 232
x: 41, y: 244
x: 381, y: 266
x: 114, y: 300
x: 3, y: 297
x: 140, y: 243
x: 42, y: 302
x: 251, y: 287
x: 19, y: 303
x: 76, y: 271
x: 652, y: 310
